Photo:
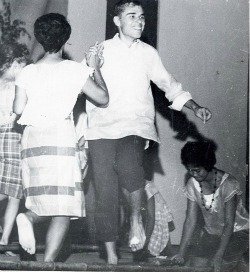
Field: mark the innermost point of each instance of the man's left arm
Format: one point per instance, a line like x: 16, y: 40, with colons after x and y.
x: 173, y: 90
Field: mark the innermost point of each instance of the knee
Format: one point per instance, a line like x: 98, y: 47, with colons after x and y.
x: 131, y: 177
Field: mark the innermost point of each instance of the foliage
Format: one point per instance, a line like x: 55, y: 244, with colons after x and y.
x: 10, y: 31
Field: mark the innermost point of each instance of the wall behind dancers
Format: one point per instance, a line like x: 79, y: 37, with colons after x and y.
x: 28, y: 11
x: 205, y: 45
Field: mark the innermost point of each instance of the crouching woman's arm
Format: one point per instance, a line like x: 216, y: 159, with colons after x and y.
x: 188, y: 230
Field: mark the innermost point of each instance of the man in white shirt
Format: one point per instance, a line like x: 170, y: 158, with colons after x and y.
x: 118, y: 133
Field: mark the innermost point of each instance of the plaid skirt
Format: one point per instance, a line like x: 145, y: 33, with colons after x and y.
x: 10, y: 158
x: 51, y: 171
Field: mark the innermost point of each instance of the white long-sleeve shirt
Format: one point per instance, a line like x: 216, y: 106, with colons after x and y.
x: 127, y: 72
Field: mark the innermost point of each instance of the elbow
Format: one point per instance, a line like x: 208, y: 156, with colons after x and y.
x: 105, y: 105
x: 104, y: 101
x: 17, y: 110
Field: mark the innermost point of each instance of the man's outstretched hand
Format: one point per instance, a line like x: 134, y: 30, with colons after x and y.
x: 203, y: 113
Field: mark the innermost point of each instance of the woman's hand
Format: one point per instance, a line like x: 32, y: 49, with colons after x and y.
x: 94, y: 58
x: 81, y: 143
x: 178, y: 259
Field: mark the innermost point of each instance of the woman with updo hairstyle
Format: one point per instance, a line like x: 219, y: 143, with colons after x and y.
x: 218, y: 196
x: 46, y: 93
x: 13, y: 57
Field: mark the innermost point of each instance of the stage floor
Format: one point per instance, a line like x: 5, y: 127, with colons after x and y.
x: 91, y: 261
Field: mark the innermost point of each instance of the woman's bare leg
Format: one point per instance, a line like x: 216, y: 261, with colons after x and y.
x: 111, y: 252
x: 9, y: 219
x: 56, y: 234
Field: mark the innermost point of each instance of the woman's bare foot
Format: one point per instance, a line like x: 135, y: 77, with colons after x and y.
x: 3, y: 243
x: 111, y: 253
x: 137, y: 235
x: 26, y: 233
x: 7, y: 253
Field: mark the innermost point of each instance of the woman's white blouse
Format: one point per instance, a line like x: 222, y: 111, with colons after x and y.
x: 52, y: 91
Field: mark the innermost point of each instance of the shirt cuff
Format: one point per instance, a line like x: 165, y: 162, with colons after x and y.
x: 180, y: 101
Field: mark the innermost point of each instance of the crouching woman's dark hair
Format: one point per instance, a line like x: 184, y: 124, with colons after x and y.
x: 52, y: 31
x: 199, y: 154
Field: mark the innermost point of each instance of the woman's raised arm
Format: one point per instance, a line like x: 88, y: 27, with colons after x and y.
x: 20, y: 100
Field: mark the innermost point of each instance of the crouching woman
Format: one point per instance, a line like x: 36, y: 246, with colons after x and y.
x: 217, y: 195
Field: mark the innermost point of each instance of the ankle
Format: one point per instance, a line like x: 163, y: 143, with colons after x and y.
x: 135, y: 218
x: 111, y: 252
x: 4, y: 241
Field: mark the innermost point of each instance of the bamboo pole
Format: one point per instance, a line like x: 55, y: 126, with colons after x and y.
x: 45, y: 266
x: 74, y: 248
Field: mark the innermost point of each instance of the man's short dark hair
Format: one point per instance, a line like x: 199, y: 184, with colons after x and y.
x: 121, y: 5
x: 52, y: 30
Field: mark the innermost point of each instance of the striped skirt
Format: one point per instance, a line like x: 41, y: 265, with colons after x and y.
x: 51, y: 171
x: 10, y: 162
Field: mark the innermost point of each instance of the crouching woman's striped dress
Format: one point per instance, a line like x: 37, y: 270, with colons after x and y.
x: 50, y: 166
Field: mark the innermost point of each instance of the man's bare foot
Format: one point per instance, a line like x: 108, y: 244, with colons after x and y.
x: 26, y: 233
x: 137, y: 235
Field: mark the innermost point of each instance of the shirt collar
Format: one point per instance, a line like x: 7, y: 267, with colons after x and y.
x: 119, y: 41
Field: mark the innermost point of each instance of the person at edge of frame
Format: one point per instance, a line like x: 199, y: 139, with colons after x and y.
x: 216, y: 196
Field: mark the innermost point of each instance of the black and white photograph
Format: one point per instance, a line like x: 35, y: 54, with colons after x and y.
x: 124, y: 135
